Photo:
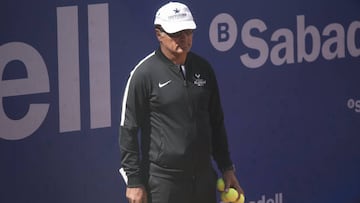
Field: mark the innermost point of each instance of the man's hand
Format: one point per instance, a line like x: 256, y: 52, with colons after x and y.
x: 231, y: 181
x: 136, y: 195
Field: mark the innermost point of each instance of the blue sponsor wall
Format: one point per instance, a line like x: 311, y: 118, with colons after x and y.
x: 288, y: 74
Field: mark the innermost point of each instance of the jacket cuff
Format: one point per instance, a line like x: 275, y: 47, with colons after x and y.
x: 228, y: 168
x: 135, y: 181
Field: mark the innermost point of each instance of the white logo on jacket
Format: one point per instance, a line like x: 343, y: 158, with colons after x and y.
x: 161, y: 85
x: 199, y: 81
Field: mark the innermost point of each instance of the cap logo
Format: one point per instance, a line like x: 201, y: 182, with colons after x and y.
x: 177, y: 15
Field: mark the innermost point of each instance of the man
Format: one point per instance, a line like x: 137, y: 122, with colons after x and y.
x: 172, y: 99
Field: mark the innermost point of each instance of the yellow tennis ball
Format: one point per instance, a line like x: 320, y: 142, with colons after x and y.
x: 220, y: 184
x: 241, y: 199
x: 223, y: 198
x: 229, y: 196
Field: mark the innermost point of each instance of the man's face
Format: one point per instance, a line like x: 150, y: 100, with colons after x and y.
x: 176, y: 43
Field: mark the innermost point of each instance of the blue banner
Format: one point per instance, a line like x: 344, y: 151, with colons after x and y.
x: 288, y: 75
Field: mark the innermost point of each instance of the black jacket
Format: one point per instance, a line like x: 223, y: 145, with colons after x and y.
x: 179, y: 116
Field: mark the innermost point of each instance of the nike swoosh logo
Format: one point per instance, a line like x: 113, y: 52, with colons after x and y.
x: 164, y: 84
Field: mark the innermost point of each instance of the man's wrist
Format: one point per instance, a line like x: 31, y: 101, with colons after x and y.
x: 228, y: 168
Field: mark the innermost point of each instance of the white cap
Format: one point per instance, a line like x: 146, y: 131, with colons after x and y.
x: 174, y: 17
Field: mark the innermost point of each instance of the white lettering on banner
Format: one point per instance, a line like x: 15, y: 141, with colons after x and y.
x: 278, y: 198
x: 255, y: 43
x: 335, y: 41
x: 302, y: 33
x: 223, y: 35
x: 99, y: 65
x: 37, y: 80
x: 68, y: 69
x: 354, y: 104
x: 351, y: 39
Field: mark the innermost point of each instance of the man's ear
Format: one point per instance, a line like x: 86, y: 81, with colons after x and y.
x: 159, y: 34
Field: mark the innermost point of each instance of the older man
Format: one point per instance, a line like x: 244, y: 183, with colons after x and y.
x: 172, y: 99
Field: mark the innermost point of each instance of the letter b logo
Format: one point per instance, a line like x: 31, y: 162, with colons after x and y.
x: 223, y: 32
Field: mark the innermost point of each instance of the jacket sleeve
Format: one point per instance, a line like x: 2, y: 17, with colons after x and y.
x: 132, y: 116
x: 220, y: 147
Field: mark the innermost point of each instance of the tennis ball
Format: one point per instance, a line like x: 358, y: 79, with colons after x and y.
x: 220, y: 184
x: 223, y: 198
x: 229, y: 196
x: 241, y: 199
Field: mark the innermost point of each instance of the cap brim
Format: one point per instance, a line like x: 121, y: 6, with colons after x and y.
x: 178, y: 26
